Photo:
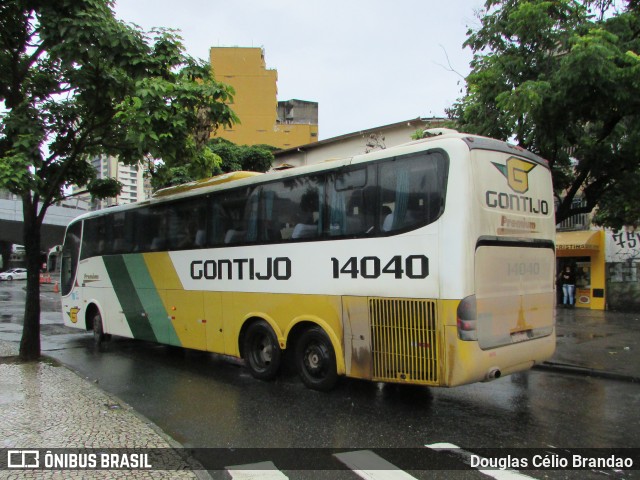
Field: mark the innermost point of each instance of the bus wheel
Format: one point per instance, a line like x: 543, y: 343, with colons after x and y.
x: 261, y: 351
x: 98, y: 329
x: 316, y: 360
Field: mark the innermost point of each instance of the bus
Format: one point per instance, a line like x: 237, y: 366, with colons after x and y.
x: 430, y: 263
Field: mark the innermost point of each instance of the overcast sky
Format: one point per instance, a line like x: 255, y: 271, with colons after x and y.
x: 366, y: 62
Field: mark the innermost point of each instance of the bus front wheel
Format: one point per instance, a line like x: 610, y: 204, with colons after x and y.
x: 316, y: 360
x: 261, y: 351
x: 98, y: 329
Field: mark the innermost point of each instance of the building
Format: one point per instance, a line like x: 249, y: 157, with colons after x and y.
x: 623, y: 269
x: 584, y: 252
x: 134, y: 185
x: 355, y: 143
x: 263, y: 120
x: 606, y: 262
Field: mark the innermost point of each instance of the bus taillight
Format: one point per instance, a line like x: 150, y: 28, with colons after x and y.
x: 467, y: 319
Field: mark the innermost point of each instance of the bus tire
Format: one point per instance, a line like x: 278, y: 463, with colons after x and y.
x: 316, y: 360
x: 98, y: 329
x: 262, y: 352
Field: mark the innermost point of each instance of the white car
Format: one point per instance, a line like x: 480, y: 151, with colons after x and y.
x: 14, y: 274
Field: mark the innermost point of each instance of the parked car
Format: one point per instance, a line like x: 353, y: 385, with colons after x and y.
x: 14, y: 274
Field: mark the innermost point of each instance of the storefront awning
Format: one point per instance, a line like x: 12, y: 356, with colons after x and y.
x: 585, y: 240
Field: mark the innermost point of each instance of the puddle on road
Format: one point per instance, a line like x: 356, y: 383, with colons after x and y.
x: 583, y: 336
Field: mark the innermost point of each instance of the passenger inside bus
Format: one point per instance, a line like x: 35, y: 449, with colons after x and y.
x: 307, y: 216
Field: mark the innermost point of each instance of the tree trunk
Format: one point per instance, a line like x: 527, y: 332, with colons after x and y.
x: 30, y: 343
x: 5, y: 251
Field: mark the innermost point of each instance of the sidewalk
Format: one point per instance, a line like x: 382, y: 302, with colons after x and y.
x: 597, y: 343
x: 45, y: 405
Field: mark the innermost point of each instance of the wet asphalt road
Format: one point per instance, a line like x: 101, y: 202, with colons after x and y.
x: 202, y: 401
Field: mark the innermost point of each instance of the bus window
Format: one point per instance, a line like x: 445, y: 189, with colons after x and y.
x: 234, y: 204
x: 186, y: 224
x: 70, y: 255
x: 96, y: 240
x: 349, y: 208
x: 122, y: 232
x: 290, y: 209
x: 412, y: 190
x: 219, y: 222
x: 151, y: 234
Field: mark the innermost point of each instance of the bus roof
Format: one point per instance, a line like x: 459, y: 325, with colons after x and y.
x: 206, y: 182
x: 242, y: 178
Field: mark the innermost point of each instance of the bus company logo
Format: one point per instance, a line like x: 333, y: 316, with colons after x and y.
x: 516, y: 172
x: 73, y: 314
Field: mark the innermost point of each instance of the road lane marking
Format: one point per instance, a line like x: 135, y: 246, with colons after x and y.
x: 256, y: 471
x: 370, y: 466
x: 497, y: 474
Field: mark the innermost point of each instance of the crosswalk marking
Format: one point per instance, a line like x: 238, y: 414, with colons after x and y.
x: 256, y: 471
x: 497, y: 474
x: 370, y: 466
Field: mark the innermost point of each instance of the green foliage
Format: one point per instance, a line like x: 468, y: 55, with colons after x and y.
x: 104, y: 187
x: 208, y: 164
x: 218, y: 156
x: 75, y: 83
x: 257, y: 158
x: 562, y: 78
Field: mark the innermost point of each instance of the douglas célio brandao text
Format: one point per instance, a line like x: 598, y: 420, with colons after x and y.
x: 551, y: 461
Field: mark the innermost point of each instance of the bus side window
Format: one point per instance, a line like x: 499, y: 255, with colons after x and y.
x: 186, y: 224
x: 412, y: 188
x: 290, y: 209
x: 122, y: 232
x: 151, y: 234
x: 307, y: 215
x: 348, y: 197
x: 235, y: 203
x: 96, y: 239
x: 219, y: 222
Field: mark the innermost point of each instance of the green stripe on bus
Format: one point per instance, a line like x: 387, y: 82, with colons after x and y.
x: 151, y: 301
x: 128, y: 298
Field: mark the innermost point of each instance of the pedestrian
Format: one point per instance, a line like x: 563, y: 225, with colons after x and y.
x: 568, y: 282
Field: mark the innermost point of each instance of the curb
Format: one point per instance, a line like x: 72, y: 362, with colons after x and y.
x: 585, y: 371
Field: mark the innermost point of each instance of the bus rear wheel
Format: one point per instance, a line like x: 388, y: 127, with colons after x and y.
x: 261, y: 351
x: 316, y: 360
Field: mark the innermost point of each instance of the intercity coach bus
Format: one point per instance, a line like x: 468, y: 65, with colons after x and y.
x: 430, y: 263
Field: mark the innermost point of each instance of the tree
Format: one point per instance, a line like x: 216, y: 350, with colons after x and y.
x: 256, y: 158
x: 562, y: 78
x: 76, y: 82
x: 217, y: 157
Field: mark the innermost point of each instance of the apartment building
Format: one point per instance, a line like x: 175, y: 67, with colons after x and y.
x: 134, y: 185
x: 263, y: 119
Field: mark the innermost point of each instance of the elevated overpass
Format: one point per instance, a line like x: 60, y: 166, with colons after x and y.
x: 55, y: 222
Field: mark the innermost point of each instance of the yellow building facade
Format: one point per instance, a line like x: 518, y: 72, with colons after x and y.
x: 255, y: 101
x: 584, y: 251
